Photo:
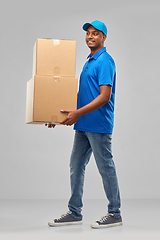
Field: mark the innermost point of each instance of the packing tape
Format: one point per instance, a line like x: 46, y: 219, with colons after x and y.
x: 53, y: 119
x: 56, y: 78
x: 56, y: 71
x: 56, y: 42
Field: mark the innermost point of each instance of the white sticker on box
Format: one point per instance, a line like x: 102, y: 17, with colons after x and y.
x: 56, y: 42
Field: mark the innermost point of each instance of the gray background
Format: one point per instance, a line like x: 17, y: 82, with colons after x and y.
x: 34, y: 160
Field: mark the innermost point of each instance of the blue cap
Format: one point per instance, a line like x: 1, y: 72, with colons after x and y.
x: 96, y: 24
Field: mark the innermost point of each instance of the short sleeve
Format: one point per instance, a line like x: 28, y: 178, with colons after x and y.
x: 106, y: 72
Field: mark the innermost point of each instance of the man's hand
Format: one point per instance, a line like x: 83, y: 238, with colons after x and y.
x: 50, y: 125
x: 71, y: 118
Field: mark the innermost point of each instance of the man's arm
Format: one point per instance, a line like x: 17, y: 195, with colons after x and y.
x: 104, y: 97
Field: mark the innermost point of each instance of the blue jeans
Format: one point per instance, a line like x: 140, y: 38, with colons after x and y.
x: 100, y: 144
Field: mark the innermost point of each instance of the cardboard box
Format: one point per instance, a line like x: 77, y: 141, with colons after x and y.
x: 47, y: 95
x: 52, y: 57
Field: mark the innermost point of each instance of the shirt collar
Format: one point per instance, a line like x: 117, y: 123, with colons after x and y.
x: 97, y: 54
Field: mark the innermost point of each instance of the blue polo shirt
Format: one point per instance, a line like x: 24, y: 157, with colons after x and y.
x: 98, y: 70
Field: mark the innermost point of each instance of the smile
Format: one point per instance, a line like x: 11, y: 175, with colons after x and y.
x: 90, y: 41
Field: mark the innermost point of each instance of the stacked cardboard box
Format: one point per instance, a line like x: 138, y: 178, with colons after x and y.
x: 53, y: 85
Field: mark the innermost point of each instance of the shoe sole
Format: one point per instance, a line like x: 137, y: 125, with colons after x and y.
x: 96, y: 225
x: 53, y: 224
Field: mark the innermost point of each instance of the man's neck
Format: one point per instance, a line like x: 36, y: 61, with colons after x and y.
x: 93, y: 51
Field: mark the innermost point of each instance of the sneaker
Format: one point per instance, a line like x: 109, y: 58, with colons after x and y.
x: 107, y: 221
x: 65, y: 219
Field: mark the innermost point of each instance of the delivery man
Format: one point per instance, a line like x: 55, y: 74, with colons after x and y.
x: 94, y: 120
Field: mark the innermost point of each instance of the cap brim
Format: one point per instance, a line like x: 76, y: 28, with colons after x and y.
x: 86, y: 26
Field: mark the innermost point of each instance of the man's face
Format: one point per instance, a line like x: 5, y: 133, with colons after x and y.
x: 94, y: 38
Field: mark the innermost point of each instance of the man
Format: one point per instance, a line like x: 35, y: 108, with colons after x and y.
x: 94, y: 119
